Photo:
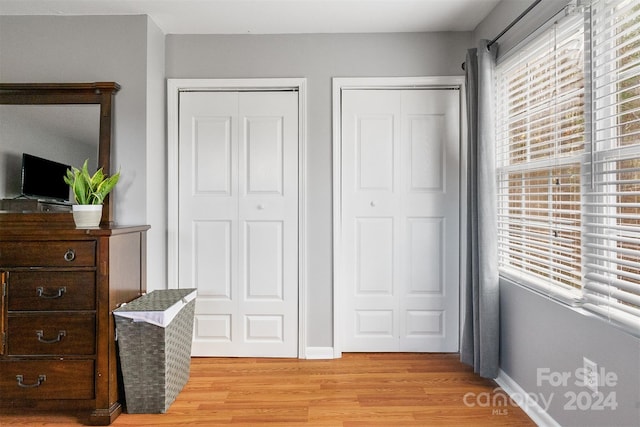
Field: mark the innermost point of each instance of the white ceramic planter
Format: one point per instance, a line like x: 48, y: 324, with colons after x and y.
x: 87, y: 216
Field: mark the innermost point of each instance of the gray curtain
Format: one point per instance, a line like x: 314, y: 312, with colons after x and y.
x: 480, y: 345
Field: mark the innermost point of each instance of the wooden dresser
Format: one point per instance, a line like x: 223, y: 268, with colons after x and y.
x: 59, y: 286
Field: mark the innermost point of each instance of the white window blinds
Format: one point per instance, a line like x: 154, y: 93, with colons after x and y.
x: 540, y: 152
x: 612, y: 199
x: 568, y: 165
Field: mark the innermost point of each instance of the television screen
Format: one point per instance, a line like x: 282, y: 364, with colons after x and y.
x: 44, y: 178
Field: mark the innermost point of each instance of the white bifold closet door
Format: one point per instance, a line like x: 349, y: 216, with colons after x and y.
x: 238, y: 220
x: 400, y: 220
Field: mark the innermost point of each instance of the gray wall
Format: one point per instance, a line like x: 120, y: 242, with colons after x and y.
x: 156, y: 159
x: 130, y: 51
x: 87, y: 49
x: 318, y: 58
x: 540, y: 335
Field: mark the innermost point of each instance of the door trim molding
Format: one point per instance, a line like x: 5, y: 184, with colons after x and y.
x: 340, y: 84
x: 174, y: 87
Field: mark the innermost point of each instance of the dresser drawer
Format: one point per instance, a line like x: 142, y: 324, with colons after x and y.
x: 47, y: 379
x: 72, y: 253
x: 51, y: 290
x: 51, y: 334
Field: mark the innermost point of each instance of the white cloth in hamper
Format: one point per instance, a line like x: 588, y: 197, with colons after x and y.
x: 157, y: 308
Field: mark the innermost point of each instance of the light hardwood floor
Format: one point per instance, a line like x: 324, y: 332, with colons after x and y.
x: 381, y: 389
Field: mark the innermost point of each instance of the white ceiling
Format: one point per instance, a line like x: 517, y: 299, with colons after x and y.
x: 275, y: 16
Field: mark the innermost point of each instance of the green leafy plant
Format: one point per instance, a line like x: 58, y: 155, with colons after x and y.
x: 88, y: 189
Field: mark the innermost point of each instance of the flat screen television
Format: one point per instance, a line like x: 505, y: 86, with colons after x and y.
x: 43, y: 178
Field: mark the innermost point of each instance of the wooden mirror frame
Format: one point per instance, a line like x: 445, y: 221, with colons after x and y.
x: 100, y: 93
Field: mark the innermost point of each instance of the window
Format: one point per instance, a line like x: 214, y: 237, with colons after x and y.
x: 568, y: 165
x: 612, y: 205
x: 540, y: 153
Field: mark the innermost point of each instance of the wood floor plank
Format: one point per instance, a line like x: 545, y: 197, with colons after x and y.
x: 360, y: 389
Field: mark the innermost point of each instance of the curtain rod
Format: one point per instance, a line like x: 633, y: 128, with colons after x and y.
x: 514, y: 22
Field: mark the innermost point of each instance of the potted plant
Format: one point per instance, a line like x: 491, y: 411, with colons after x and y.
x: 89, y: 192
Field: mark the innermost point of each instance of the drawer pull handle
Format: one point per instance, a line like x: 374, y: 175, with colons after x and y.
x: 70, y: 255
x: 41, y: 294
x: 61, y: 334
x: 20, y: 379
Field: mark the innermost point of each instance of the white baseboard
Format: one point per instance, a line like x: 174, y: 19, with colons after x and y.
x: 319, y: 353
x: 532, y: 409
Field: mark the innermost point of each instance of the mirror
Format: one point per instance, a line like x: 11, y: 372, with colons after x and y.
x: 65, y: 123
x: 67, y: 134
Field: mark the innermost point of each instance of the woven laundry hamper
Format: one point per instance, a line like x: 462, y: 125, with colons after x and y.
x: 154, y: 334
